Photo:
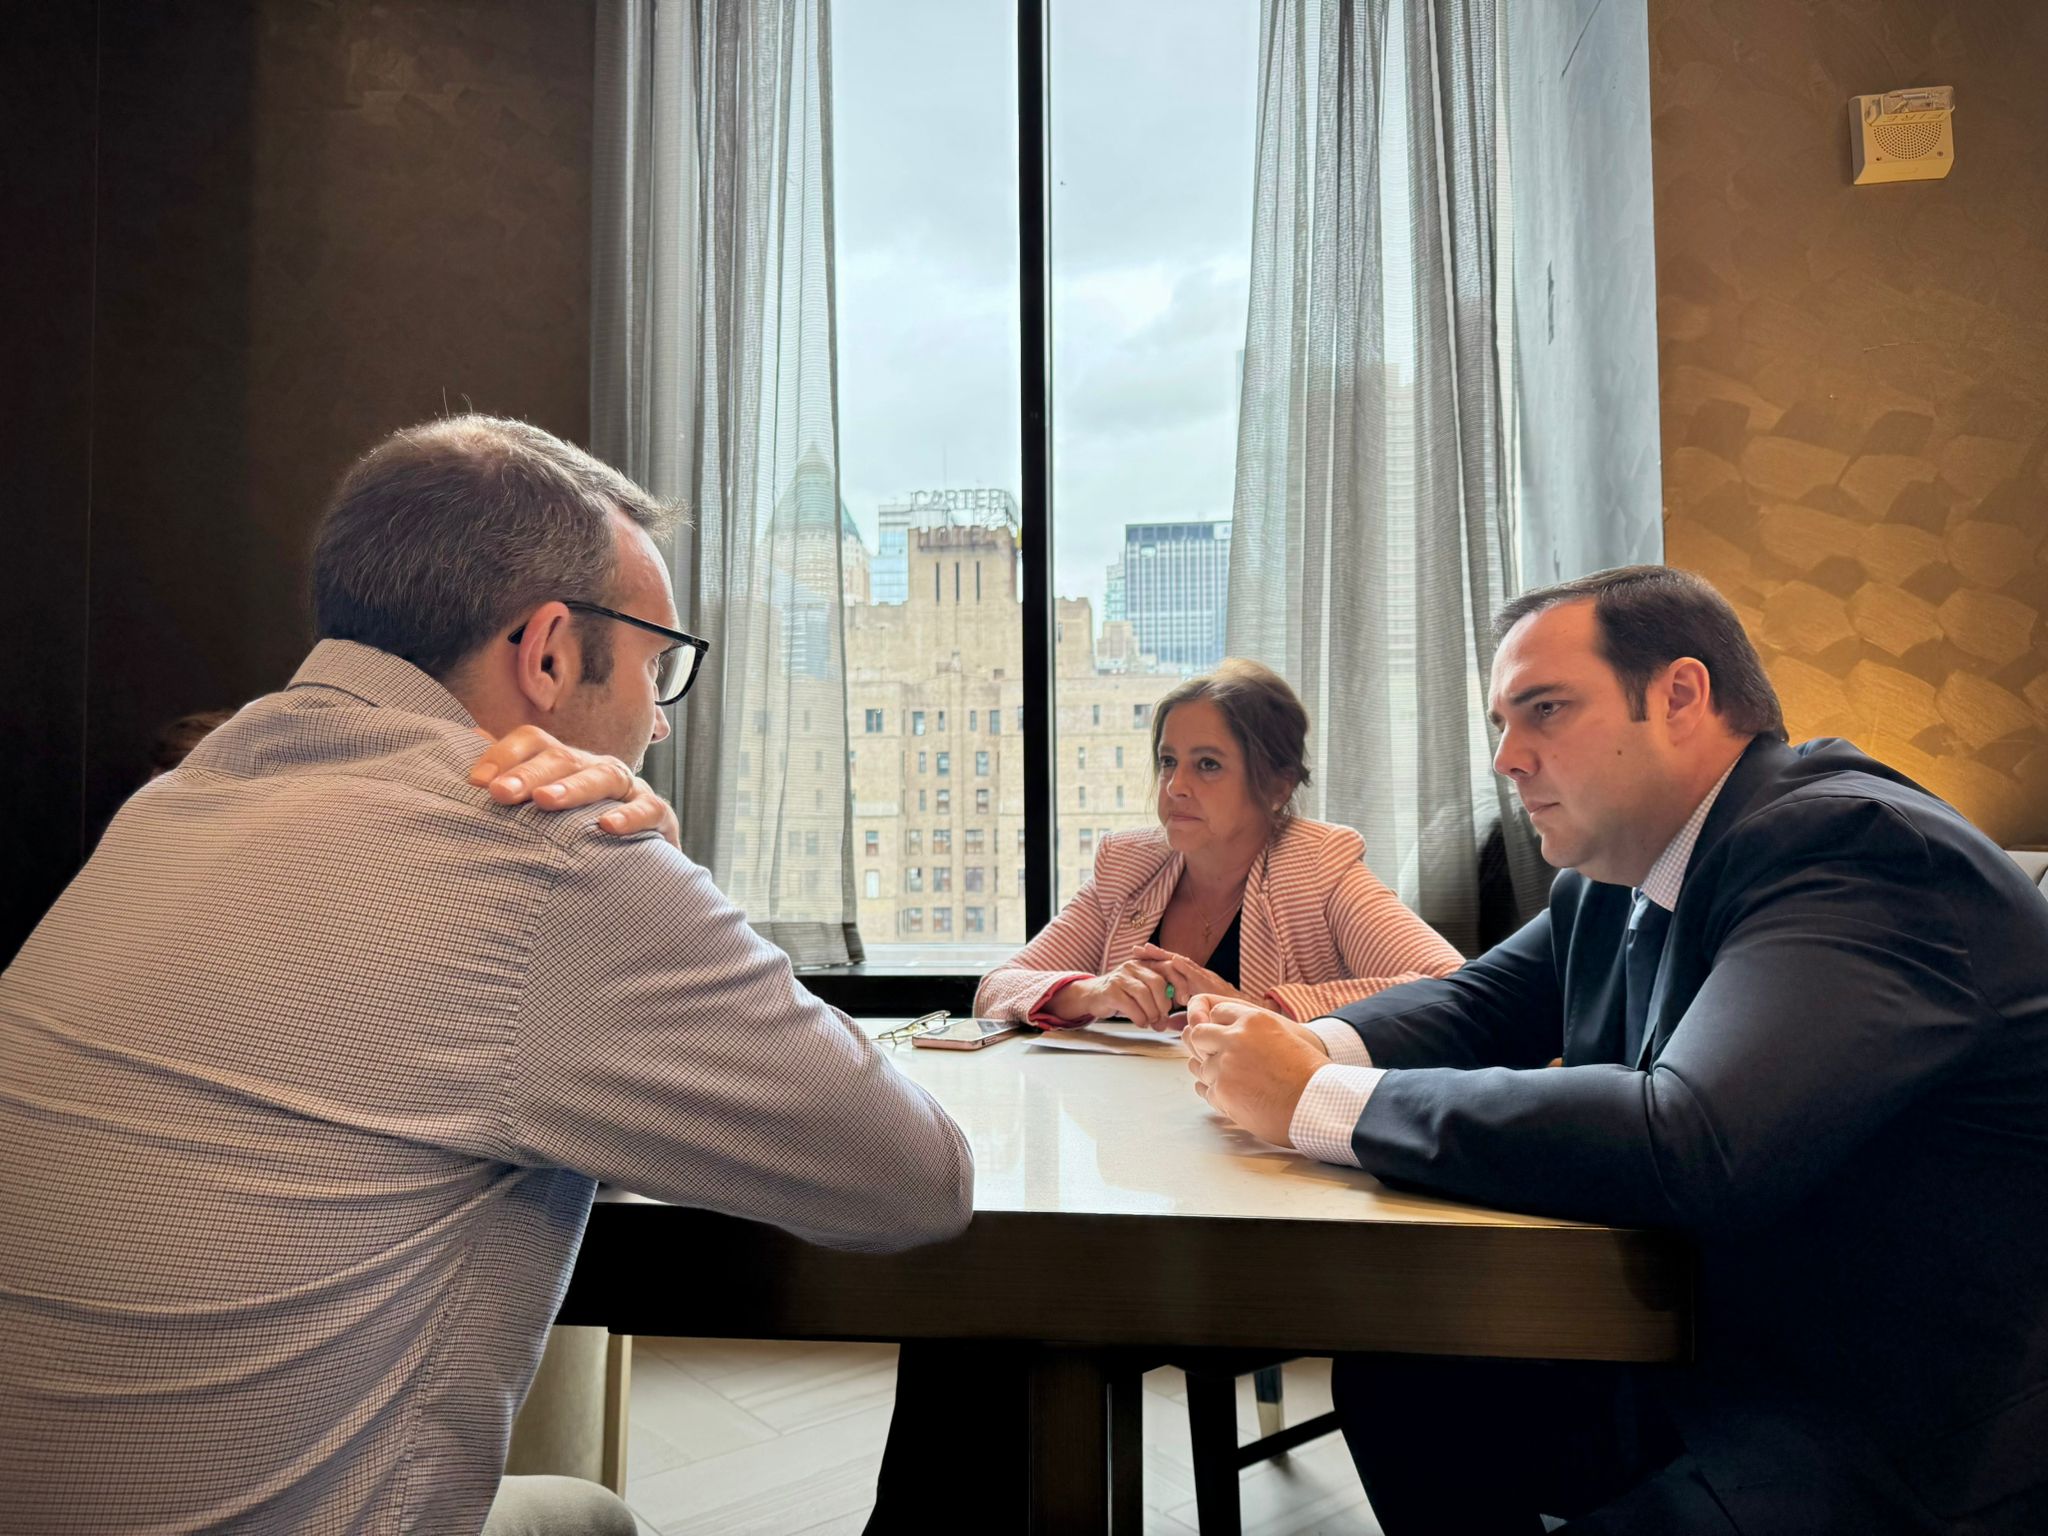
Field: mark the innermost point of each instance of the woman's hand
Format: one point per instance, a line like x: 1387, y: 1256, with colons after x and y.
x: 529, y: 764
x: 1132, y: 991
x: 1189, y: 979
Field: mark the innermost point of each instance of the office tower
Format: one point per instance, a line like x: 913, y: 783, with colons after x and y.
x: 1176, y: 591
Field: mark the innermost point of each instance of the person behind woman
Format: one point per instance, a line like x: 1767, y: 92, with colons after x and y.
x: 1232, y: 894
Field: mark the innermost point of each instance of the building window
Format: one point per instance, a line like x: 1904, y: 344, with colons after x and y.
x: 945, y: 801
x: 913, y: 840
x: 921, y: 761
x: 913, y: 877
x: 1141, y: 716
x: 913, y: 919
x: 942, y: 919
x: 796, y: 842
x: 1119, y: 797
x: 1020, y: 882
x: 874, y: 843
x: 995, y: 723
x: 971, y: 717
x: 981, y: 802
x: 1095, y: 714
x: 942, y: 719
x: 1080, y: 757
x: 873, y: 884
x: 1084, y: 797
x: 1020, y: 717
x: 945, y: 764
x: 976, y: 841
x: 942, y: 877
x: 920, y: 798
x: 975, y: 922
x: 1119, y: 757
x: 1087, y: 841
x: 974, y: 879
x: 874, y: 722
x: 981, y: 765
x: 942, y: 840
x: 917, y: 722
x: 1020, y: 839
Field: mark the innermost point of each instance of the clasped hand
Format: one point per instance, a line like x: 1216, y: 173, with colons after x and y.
x: 1251, y: 1064
x: 1138, y: 990
x: 529, y: 764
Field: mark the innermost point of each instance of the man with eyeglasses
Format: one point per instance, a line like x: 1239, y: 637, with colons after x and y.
x: 311, y: 1072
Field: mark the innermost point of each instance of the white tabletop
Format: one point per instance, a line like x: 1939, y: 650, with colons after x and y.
x: 1126, y: 1135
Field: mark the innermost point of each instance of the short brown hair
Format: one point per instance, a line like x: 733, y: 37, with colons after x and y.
x: 446, y: 534
x: 1648, y: 616
x: 1266, y: 721
x: 174, y: 743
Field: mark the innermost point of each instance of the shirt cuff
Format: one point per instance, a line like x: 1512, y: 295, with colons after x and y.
x: 1329, y: 1110
x: 1341, y: 1041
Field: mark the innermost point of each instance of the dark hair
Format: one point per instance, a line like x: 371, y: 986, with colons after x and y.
x: 174, y: 743
x: 1266, y: 720
x: 1650, y: 615
x: 445, y: 535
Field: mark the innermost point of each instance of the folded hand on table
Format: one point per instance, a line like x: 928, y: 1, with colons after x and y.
x: 1134, y: 991
x: 1251, y: 1063
x: 529, y: 764
x: 1188, y: 979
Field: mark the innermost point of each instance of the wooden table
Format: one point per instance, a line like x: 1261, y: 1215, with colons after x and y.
x: 1115, y: 1211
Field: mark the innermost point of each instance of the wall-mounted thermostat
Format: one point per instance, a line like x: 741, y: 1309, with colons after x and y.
x: 1903, y: 135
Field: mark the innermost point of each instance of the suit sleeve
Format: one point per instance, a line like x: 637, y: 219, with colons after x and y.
x: 1503, y: 1009
x: 663, y: 1046
x: 1069, y: 948
x: 1381, y: 943
x: 1839, y: 992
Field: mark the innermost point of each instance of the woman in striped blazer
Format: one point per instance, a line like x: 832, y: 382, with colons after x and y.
x: 1232, y: 894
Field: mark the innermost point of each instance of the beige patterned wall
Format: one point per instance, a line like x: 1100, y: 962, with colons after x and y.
x: 1854, y: 380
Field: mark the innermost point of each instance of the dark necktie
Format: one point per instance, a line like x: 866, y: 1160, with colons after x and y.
x: 1643, y: 947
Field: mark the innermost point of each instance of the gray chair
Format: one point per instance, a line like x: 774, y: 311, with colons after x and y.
x: 2034, y: 863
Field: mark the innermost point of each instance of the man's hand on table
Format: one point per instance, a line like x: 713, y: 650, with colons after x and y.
x: 1251, y: 1063
x: 529, y: 764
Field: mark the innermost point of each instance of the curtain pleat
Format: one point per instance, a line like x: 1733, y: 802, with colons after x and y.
x: 1372, y: 525
x: 714, y: 382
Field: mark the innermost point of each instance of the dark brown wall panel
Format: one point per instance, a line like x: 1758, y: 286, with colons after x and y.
x: 47, y: 128
x: 319, y: 223
x: 1854, y: 380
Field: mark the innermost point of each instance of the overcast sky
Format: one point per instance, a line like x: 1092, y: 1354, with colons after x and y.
x: 1152, y: 119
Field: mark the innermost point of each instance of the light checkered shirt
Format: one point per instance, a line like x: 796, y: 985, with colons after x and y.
x: 304, y: 1083
x: 1336, y: 1095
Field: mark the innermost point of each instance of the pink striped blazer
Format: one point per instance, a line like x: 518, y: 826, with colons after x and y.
x: 1319, y: 929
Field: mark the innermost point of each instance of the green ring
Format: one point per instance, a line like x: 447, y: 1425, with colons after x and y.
x: 1169, y: 991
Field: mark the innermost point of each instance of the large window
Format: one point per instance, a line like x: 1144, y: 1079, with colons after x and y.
x: 1151, y: 134
x: 925, y: 197
x: 1145, y: 250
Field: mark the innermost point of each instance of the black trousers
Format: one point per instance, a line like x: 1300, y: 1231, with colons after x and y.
x: 1487, y: 1447
x: 958, y: 1450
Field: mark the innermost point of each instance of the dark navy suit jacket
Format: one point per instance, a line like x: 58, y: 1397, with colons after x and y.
x: 1842, y: 1099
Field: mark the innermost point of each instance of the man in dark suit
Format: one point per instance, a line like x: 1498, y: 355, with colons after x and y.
x: 1802, y: 1007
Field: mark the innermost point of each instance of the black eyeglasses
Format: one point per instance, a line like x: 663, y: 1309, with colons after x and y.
x: 677, y: 667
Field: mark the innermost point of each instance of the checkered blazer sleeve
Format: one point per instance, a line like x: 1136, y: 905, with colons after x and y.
x: 664, y: 1046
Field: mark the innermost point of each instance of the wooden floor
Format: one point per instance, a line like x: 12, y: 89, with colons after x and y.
x: 784, y: 1439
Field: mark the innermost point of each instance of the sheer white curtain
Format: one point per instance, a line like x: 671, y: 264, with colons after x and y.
x: 714, y: 382
x: 1373, y: 532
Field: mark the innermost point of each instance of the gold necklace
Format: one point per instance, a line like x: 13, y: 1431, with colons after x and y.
x: 1236, y: 899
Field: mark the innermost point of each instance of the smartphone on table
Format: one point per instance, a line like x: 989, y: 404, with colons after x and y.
x: 967, y: 1034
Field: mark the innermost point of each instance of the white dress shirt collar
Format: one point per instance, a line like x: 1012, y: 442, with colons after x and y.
x: 1668, y: 873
